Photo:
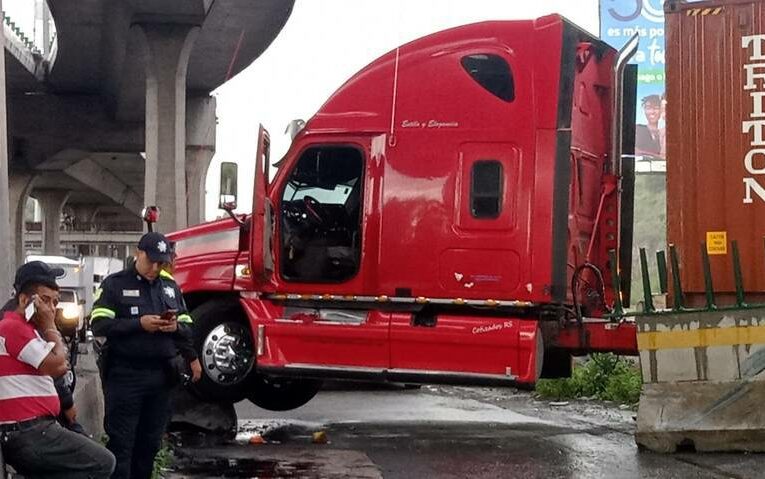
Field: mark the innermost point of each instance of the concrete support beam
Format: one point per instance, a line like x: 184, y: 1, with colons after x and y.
x: 95, y: 237
x: 167, y: 59
x: 200, y: 147
x: 21, y: 184
x: 93, y: 175
x: 84, y: 213
x: 51, y: 203
x: 50, y: 123
x: 119, y: 220
x: 197, y: 163
x: 6, y: 272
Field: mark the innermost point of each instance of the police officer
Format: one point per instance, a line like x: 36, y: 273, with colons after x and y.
x: 144, y: 320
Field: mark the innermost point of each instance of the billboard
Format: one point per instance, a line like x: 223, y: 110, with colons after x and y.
x: 619, y: 20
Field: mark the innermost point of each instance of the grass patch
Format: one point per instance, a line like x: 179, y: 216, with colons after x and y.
x: 605, y: 376
x: 162, y: 461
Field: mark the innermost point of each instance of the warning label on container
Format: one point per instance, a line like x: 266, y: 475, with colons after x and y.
x: 717, y: 242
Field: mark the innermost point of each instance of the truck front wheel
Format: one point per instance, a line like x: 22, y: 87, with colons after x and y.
x: 224, y: 345
x: 283, y: 394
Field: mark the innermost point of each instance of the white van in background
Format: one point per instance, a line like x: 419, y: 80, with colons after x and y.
x: 101, y: 267
x: 79, y: 282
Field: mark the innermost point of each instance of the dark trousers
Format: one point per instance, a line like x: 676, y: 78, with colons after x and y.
x: 137, y: 411
x: 48, y: 450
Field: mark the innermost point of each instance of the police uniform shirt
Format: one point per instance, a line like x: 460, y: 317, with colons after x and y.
x: 121, y: 301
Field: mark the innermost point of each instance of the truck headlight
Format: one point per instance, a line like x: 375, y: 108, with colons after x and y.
x: 71, y: 311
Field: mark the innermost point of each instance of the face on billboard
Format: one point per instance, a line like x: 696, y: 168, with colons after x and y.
x: 652, y: 109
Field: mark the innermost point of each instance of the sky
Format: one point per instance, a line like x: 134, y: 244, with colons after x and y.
x: 322, y: 45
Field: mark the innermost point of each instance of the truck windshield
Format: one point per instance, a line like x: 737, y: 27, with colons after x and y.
x: 320, y: 210
x: 336, y: 196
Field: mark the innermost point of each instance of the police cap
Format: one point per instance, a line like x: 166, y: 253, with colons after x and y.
x: 156, y: 246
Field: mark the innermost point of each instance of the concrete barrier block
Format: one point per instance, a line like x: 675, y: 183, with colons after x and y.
x: 702, y: 415
x: 672, y: 365
x: 705, y: 345
x: 88, y: 396
x: 751, y: 358
x: 721, y: 363
x: 702, y: 381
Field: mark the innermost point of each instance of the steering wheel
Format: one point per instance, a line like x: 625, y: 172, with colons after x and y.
x: 314, y: 209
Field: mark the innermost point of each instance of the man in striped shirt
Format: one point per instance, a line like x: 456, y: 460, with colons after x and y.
x: 32, y: 353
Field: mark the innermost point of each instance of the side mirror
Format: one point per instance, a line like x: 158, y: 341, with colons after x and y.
x: 81, y: 302
x: 150, y: 215
x: 228, y: 183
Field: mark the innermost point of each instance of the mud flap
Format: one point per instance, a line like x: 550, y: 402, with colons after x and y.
x: 191, y: 413
x: 703, y: 381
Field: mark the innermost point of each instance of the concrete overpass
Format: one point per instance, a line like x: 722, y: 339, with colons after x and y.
x: 115, y: 244
x: 118, y: 113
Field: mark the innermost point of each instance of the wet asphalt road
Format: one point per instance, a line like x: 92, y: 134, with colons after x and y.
x: 448, y: 432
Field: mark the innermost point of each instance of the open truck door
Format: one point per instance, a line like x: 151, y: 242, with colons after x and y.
x: 224, y: 341
x: 261, y: 227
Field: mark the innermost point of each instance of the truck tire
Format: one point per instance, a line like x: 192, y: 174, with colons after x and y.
x: 283, y: 394
x: 224, y: 345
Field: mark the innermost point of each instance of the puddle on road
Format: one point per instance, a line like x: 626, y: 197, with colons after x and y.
x: 200, y: 455
x: 263, y: 469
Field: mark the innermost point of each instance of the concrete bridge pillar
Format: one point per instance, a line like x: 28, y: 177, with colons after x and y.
x: 197, y: 163
x: 200, y: 148
x: 20, y: 185
x: 51, y: 202
x: 168, y: 47
x: 6, y: 269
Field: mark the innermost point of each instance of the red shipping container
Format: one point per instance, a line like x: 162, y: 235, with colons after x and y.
x: 715, y: 66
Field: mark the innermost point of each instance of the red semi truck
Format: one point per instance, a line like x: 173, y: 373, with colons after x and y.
x: 446, y: 217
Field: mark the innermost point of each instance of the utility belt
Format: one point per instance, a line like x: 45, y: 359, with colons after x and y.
x: 140, y: 364
x: 176, y: 368
x: 25, y: 425
x: 108, y: 358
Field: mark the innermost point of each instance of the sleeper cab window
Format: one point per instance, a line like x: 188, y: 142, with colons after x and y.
x: 491, y: 72
x: 486, y: 180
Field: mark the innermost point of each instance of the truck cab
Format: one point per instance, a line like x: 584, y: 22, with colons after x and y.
x: 446, y: 214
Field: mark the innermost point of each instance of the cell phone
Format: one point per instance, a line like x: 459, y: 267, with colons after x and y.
x: 31, y: 309
x: 169, y: 314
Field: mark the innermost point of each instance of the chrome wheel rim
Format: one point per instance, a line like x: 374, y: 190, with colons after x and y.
x: 227, y: 354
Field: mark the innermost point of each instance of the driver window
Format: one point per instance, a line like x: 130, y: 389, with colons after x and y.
x: 321, y: 216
